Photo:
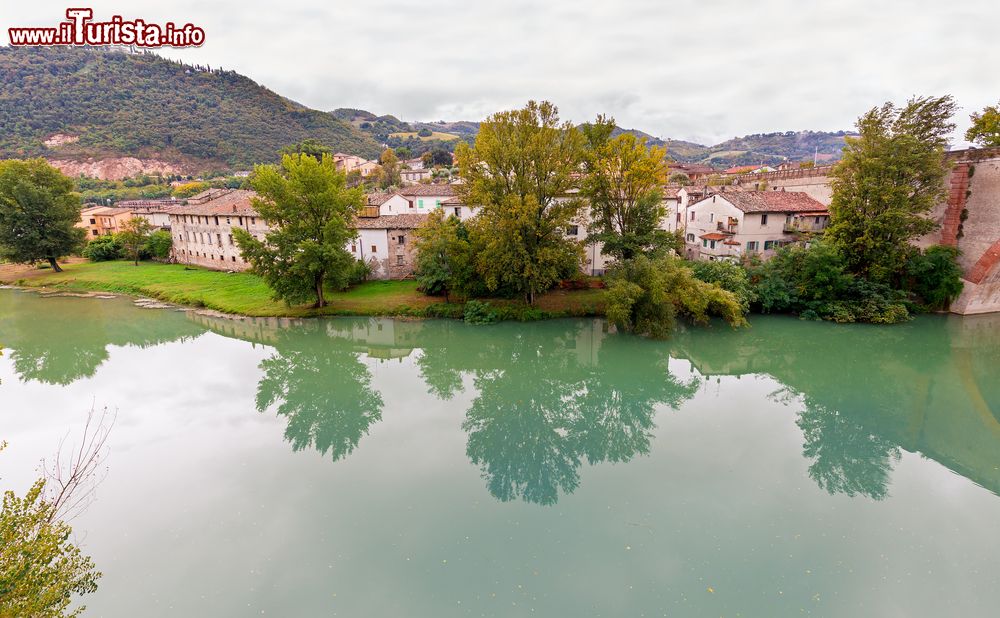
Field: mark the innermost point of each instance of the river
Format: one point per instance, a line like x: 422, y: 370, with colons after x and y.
x: 377, y: 467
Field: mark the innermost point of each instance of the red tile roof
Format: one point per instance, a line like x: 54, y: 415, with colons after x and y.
x: 714, y: 236
x: 391, y: 222
x: 773, y: 201
x: 215, y: 202
x: 427, y: 190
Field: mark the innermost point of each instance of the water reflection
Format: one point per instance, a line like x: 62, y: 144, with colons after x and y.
x: 548, y: 400
x: 317, y: 382
x: 66, y: 339
x: 545, y: 399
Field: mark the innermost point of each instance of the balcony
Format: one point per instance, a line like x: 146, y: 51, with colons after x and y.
x: 812, y: 224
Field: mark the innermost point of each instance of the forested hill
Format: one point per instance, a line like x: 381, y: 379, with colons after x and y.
x: 145, y: 106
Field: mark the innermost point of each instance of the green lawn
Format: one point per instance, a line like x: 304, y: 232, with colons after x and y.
x: 246, y: 294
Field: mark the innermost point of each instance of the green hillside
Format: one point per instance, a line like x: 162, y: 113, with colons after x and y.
x: 146, y: 106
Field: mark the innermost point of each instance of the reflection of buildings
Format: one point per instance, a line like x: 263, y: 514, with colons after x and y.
x: 929, y: 387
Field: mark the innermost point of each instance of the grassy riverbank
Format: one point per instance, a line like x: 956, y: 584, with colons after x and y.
x: 246, y: 294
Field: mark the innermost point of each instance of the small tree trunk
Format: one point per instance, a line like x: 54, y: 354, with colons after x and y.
x: 320, y: 300
x: 55, y: 266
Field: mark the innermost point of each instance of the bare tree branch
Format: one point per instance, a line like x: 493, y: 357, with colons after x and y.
x: 72, y: 480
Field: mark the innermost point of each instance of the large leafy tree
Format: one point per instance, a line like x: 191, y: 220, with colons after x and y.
x: 520, y: 171
x: 985, y: 129
x: 624, y: 186
x: 890, y: 177
x: 38, y: 213
x: 311, y: 213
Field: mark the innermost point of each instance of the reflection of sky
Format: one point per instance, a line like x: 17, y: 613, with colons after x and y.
x: 208, y: 511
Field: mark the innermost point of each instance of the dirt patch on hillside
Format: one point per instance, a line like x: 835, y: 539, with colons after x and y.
x: 116, y: 168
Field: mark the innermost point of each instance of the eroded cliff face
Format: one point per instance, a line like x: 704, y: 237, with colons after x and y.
x: 116, y: 168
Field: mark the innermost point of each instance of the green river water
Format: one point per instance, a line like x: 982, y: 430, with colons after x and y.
x: 375, y: 467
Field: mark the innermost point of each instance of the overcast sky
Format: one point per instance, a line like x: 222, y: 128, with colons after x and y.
x: 701, y: 70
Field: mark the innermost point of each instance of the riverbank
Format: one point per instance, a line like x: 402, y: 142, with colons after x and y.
x: 247, y: 294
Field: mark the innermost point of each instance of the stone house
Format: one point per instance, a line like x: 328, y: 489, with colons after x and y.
x: 202, y: 229
x: 386, y: 243
x: 736, y: 224
x: 412, y: 177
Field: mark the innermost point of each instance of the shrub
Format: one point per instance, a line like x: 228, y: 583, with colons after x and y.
x: 935, y: 276
x: 425, y: 132
x: 103, y: 249
x: 729, y: 276
x: 158, y: 245
x: 646, y: 296
x: 479, y: 312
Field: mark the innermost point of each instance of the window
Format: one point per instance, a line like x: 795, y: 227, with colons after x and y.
x: 239, y: 220
x: 763, y: 219
x: 402, y: 239
x: 768, y: 245
x: 96, y: 233
x: 253, y: 220
x: 678, y: 217
x: 93, y: 221
x: 692, y: 215
x: 230, y: 239
x: 234, y: 258
x: 410, y: 203
x: 354, y: 248
x: 818, y: 220
x: 458, y: 213
x: 752, y: 245
x: 437, y: 203
x: 217, y: 219
x: 229, y: 221
x: 711, y: 217
x: 374, y: 249
x: 712, y: 244
x: 704, y: 243
x: 399, y: 260
x: 572, y: 230
x: 420, y: 203
x: 690, y: 237
x: 218, y: 239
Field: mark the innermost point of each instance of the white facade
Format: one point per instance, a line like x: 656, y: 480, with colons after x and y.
x: 716, y: 228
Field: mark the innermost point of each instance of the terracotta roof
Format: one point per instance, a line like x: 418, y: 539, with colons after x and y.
x: 391, y: 222
x: 773, y: 201
x: 427, y: 190
x: 233, y: 202
x: 741, y: 169
x: 112, y: 211
x: 714, y: 236
x: 731, y: 242
x: 378, y: 198
x: 453, y: 201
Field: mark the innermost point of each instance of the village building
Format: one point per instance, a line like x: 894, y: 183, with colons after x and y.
x: 202, y: 229
x: 737, y: 224
x: 348, y: 163
x: 424, y: 198
x: 156, y: 212
x: 694, y: 171
x: 103, y: 220
x: 386, y: 244
x: 414, y: 176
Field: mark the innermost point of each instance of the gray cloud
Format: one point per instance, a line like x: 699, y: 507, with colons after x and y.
x: 701, y: 70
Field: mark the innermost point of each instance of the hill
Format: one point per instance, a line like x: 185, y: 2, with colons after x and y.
x: 75, y: 104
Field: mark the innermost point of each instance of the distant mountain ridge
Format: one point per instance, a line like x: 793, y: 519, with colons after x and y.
x: 77, y: 104
x: 765, y: 148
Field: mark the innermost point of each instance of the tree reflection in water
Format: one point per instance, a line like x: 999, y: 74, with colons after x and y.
x: 320, y: 386
x: 847, y: 458
x: 547, y: 403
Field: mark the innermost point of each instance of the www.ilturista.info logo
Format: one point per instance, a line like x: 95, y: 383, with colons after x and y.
x: 80, y: 29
